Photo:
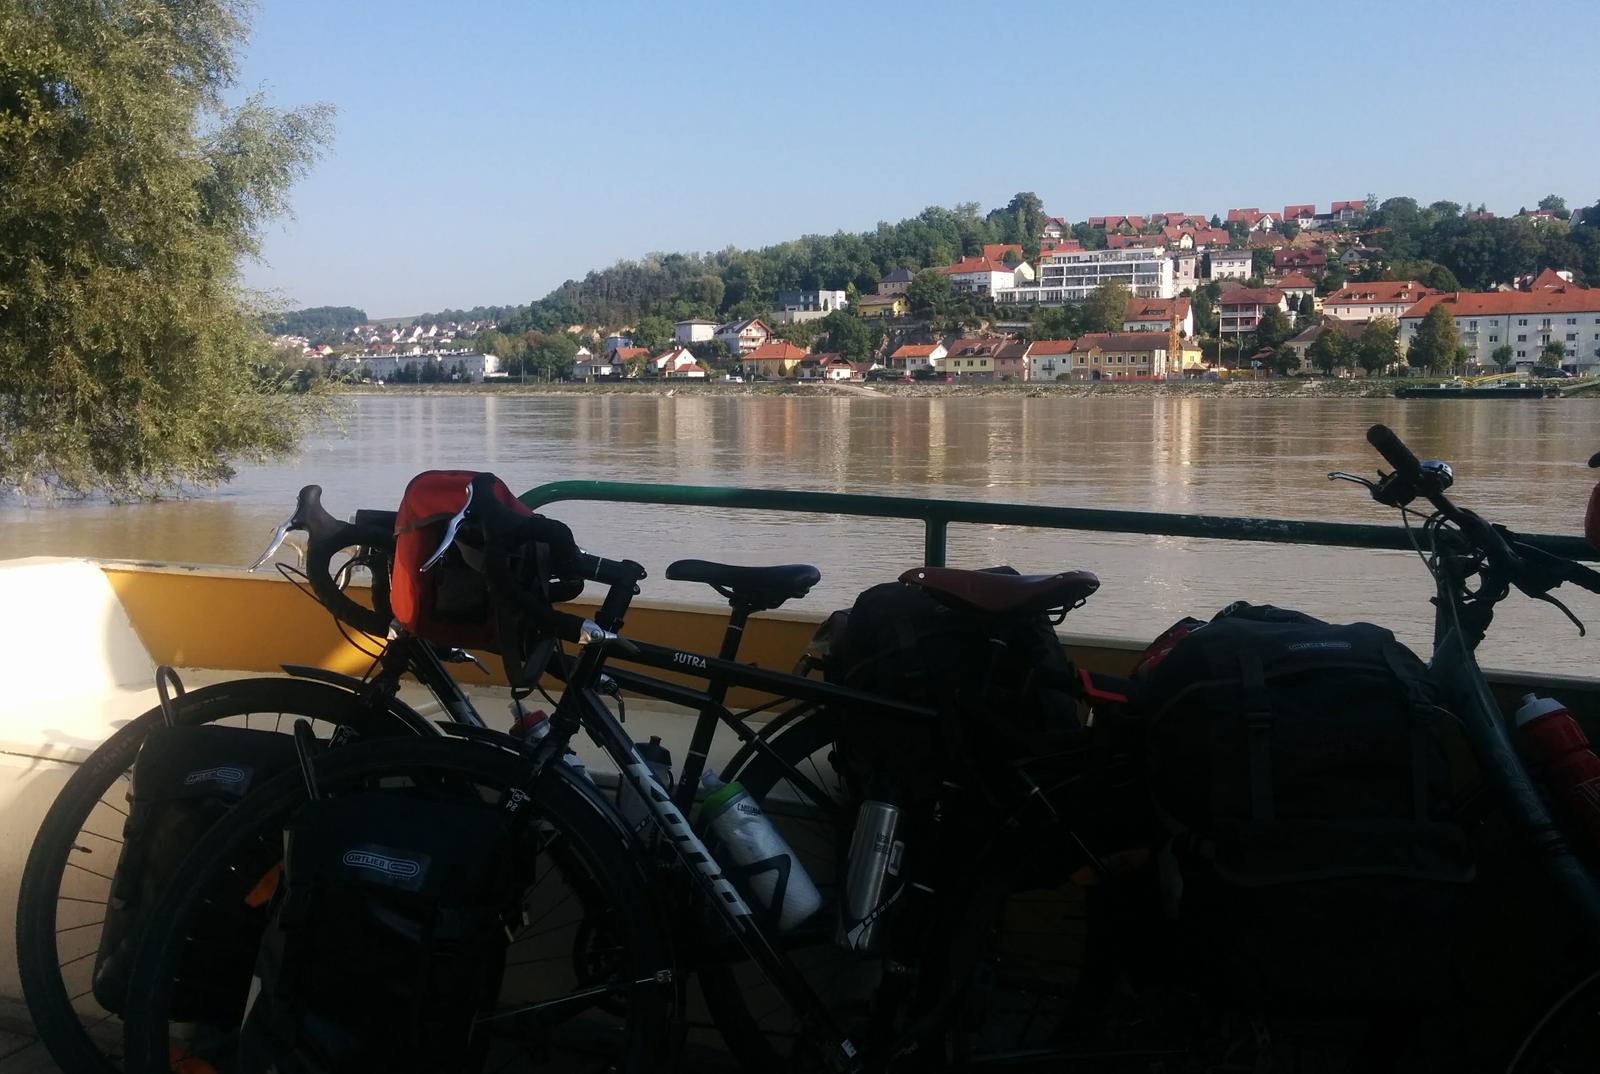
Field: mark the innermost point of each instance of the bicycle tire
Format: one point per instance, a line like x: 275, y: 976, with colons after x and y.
x: 589, y: 835
x: 1551, y: 1038
x: 51, y: 1001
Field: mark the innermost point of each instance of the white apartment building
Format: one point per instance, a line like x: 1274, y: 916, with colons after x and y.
x: 694, y: 330
x: 468, y: 365
x: 1380, y: 298
x: 1049, y: 358
x: 742, y: 337
x: 1067, y: 276
x: 1525, y: 321
x: 1231, y: 264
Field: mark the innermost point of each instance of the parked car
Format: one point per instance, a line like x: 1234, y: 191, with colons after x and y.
x: 1550, y: 371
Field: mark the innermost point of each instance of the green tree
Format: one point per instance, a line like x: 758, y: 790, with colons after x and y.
x: 1285, y: 360
x: 551, y: 356
x: 1501, y: 356
x: 928, y: 295
x: 1556, y: 206
x: 1204, y: 304
x: 652, y: 333
x: 1260, y: 262
x: 1105, y: 307
x: 1434, y: 346
x: 1273, y: 328
x: 849, y: 335
x: 1554, y: 353
x: 1379, y: 346
x: 130, y: 357
x: 1055, y: 322
x: 1327, y: 351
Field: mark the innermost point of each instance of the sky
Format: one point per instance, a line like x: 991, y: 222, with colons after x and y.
x: 485, y: 152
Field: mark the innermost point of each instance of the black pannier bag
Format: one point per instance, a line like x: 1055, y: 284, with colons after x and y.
x: 184, y: 780
x: 388, y: 937
x: 1303, y: 769
x: 1008, y: 707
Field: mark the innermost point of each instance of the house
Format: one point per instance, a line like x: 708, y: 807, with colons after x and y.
x: 1009, y: 253
x: 1050, y: 246
x: 1242, y: 308
x: 883, y: 305
x: 1178, y: 220
x: 1252, y: 219
x: 1304, y: 215
x: 1054, y: 227
x: 1380, y: 298
x: 1049, y: 358
x: 1268, y: 240
x: 1123, y: 355
x: 814, y: 367
x: 742, y: 337
x: 1156, y: 241
x: 677, y: 361
x: 1526, y: 321
x: 1296, y: 285
x: 614, y: 342
x: 1231, y: 264
x: 1536, y: 216
x: 773, y: 360
x: 587, y: 366
x: 972, y: 357
x: 1185, y: 270
x: 1010, y: 361
x: 837, y: 367
x: 1311, y: 262
x: 896, y: 282
x: 1155, y: 315
x: 811, y: 301
x: 1191, y: 238
x: 1117, y: 223
x: 694, y: 330
x: 979, y: 275
x: 1350, y: 330
x: 1359, y: 257
x: 631, y: 360
x: 914, y: 356
x: 1068, y: 276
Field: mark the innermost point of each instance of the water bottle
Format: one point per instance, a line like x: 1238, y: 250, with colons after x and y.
x: 533, y: 725
x: 756, y: 858
x: 1558, y: 753
x: 872, y: 881
x: 658, y: 759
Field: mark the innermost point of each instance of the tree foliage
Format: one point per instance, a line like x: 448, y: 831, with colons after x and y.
x: 317, y: 321
x: 1502, y: 357
x: 1327, y: 351
x: 1434, y: 345
x: 130, y: 359
x: 1379, y: 346
x: 1273, y: 328
x: 1105, y: 307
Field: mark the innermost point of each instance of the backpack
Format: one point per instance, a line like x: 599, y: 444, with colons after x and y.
x: 1301, y: 769
x: 1004, y: 707
x: 184, y: 780
x: 387, y: 940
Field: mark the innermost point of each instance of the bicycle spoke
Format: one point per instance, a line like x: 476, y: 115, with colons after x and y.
x: 85, y: 925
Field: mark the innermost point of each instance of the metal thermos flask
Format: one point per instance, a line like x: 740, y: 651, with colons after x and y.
x: 872, y: 879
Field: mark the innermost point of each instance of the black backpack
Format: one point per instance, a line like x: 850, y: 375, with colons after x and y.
x: 388, y: 937
x: 1002, y: 706
x: 184, y: 780
x: 1302, y: 770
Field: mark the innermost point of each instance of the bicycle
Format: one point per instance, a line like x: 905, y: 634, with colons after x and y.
x: 691, y: 866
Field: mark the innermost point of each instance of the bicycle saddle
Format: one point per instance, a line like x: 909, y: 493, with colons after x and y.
x: 762, y: 588
x: 993, y: 593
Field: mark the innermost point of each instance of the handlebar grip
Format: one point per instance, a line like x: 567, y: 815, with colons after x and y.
x: 319, y: 556
x: 1395, y: 452
x: 311, y: 516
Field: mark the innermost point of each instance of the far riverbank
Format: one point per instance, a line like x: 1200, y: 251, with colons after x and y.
x: 1277, y: 388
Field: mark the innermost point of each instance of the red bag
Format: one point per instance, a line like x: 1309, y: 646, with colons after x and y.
x: 449, y: 603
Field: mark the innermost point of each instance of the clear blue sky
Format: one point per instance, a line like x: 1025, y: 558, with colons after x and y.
x: 485, y: 152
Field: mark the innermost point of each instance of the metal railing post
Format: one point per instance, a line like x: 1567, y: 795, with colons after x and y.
x: 934, y: 532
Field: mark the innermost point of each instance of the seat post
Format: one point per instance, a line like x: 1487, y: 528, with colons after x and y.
x: 694, y: 761
x: 731, y: 638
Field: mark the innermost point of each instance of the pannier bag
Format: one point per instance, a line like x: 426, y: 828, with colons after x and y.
x: 387, y: 940
x: 1302, y: 768
x: 184, y: 780
x: 903, y: 643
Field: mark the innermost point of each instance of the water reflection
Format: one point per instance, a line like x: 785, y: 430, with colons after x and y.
x: 1521, y: 462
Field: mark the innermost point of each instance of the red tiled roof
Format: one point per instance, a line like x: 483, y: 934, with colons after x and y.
x: 1125, y: 242
x: 1109, y: 222
x: 974, y: 264
x: 1267, y: 240
x: 775, y: 350
x: 1251, y: 296
x: 1298, y: 212
x: 1065, y: 246
x: 1155, y: 309
x: 1378, y: 291
x: 1551, y: 280
x: 1122, y: 341
x: 1490, y: 303
x: 625, y: 354
x: 1205, y: 236
x: 1178, y: 219
x: 977, y: 345
x: 1357, y: 206
x: 1251, y: 216
x: 879, y: 300
x: 996, y: 251
x: 915, y: 350
x: 1044, y: 347
x: 1231, y: 255
x: 1298, y: 258
x: 1297, y: 279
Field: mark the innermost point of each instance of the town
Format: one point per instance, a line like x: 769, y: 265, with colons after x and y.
x: 1254, y: 293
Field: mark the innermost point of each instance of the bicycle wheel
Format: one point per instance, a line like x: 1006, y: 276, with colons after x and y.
x: 1567, y: 1038
x: 67, y: 878
x: 588, y: 981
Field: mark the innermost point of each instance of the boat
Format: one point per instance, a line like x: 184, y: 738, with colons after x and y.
x: 85, y: 637
x: 1451, y: 391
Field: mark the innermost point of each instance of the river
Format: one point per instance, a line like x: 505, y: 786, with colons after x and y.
x: 1520, y: 462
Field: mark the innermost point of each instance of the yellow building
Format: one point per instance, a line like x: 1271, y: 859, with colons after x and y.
x: 1129, y: 355
x: 883, y: 305
x: 773, y: 360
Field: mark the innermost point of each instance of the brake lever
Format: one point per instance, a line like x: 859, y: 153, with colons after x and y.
x: 277, y: 540
x: 461, y: 656
x: 449, y: 533
x: 1566, y: 611
x: 1366, y: 483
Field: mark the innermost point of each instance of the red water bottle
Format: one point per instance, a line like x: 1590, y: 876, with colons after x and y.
x: 1558, y: 752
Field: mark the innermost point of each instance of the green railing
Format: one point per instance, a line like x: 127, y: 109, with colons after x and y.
x: 937, y: 516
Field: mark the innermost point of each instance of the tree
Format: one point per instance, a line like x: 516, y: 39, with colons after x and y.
x: 1216, y: 221
x: 1434, y: 346
x: 1273, y: 328
x: 1379, y: 347
x: 1105, y: 307
x: 1554, y: 353
x: 1327, y: 351
x: 1204, y: 304
x: 1501, y: 356
x: 551, y: 356
x: 849, y: 335
x: 928, y: 294
x: 1556, y: 206
x: 1055, y: 322
x: 1285, y: 360
x: 130, y: 359
x: 652, y: 333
